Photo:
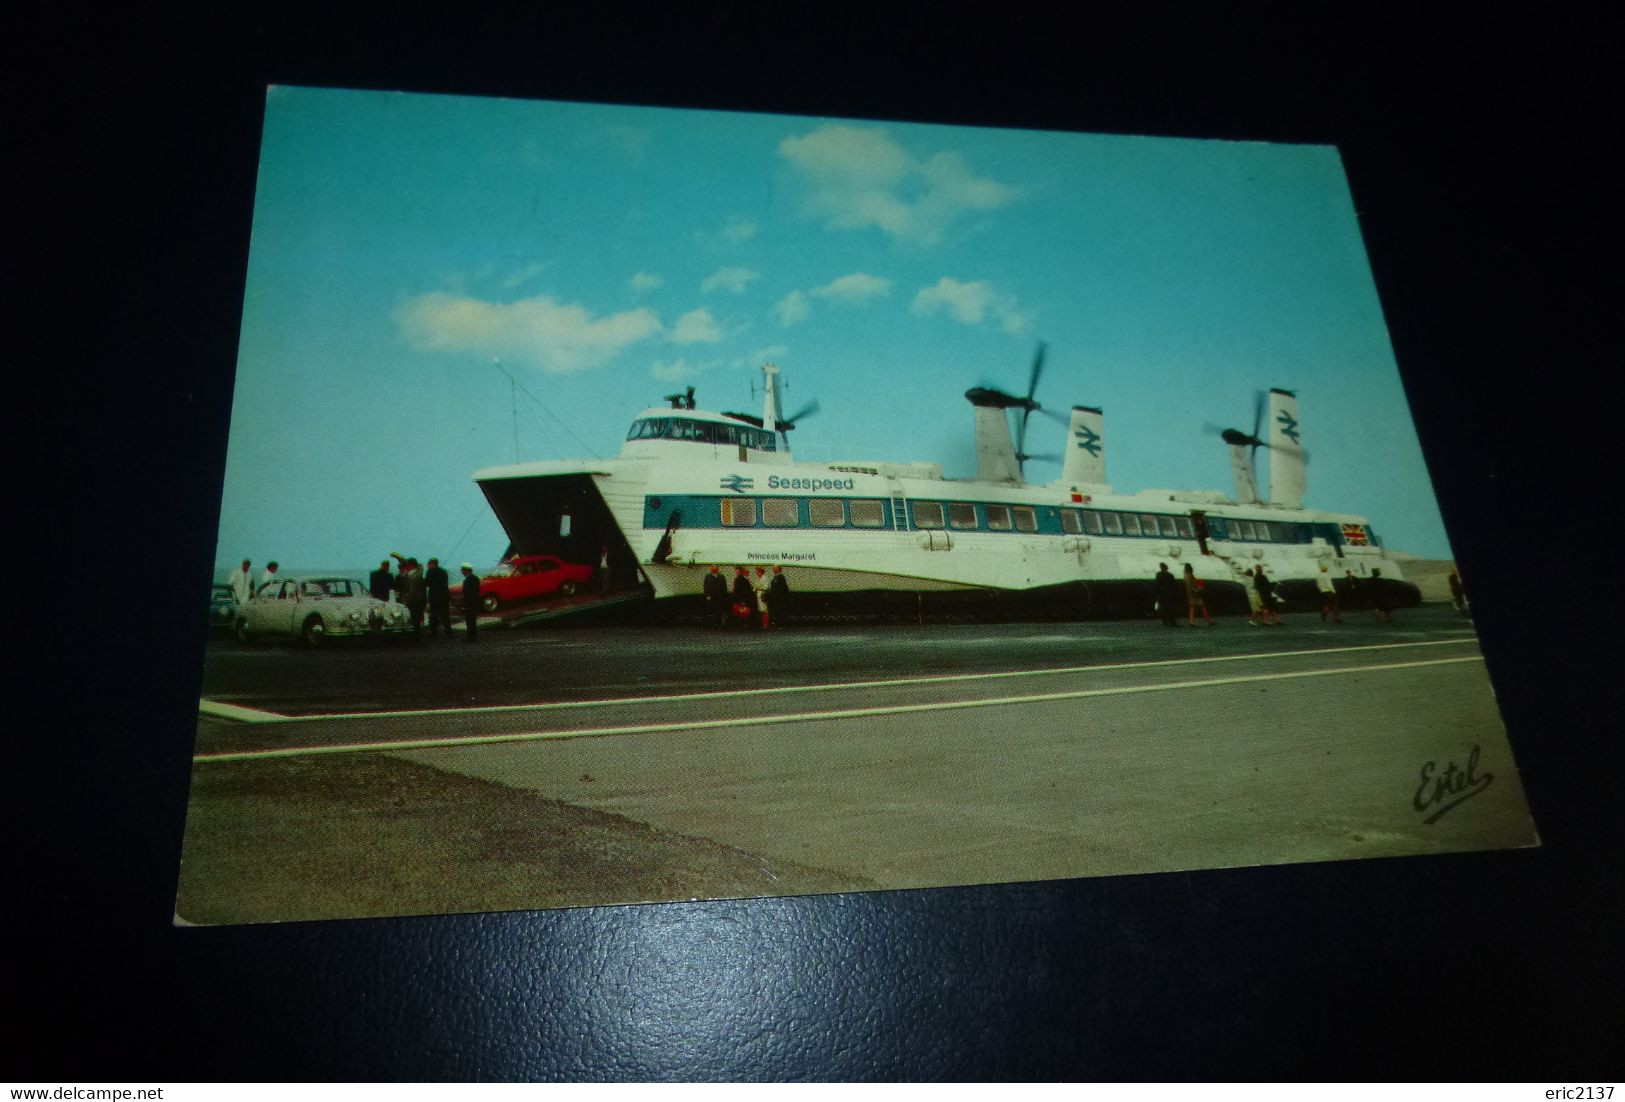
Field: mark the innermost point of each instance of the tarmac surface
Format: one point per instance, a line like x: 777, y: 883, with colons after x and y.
x: 562, y: 766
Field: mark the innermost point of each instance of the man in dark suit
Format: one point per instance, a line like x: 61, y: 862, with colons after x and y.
x: 379, y: 583
x: 439, y: 589
x: 716, y: 599
x: 1169, y: 598
x: 471, y: 601
x: 744, y: 596
x: 778, y: 598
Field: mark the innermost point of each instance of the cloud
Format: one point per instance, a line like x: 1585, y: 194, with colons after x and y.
x: 684, y: 370
x: 792, y: 308
x: 644, y: 281
x: 674, y: 371
x: 729, y: 279
x: 859, y: 178
x: 856, y: 287
x: 973, y: 304
x: 556, y: 337
x: 763, y: 355
x: 739, y: 229
x: 696, y: 327
x: 523, y: 275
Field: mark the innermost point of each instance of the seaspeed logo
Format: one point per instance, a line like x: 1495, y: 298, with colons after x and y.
x: 1289, y: 426
x: 774, y: 482
x: 1088, y: 440
x: 738, y: 483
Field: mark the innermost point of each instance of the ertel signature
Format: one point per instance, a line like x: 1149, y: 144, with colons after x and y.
x: 1450, y: 787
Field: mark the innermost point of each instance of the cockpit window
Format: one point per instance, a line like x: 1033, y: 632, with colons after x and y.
x: 704, y: 432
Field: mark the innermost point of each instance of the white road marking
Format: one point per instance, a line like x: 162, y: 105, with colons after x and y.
x: 807, y: 717
x: 233, y: 711
x: 251, y: 716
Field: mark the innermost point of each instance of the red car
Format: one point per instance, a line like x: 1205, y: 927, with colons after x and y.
x: 527, y: 578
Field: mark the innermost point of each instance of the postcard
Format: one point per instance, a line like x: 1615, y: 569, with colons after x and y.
x: 631, y: 504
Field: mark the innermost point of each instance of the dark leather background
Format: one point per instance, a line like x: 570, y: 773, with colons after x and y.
x: 1476, y: 157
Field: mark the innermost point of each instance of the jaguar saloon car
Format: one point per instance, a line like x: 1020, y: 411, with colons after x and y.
x: 528, y: 578
x: 318, y: 609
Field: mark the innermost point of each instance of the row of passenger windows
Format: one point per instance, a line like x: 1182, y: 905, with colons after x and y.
x: 1098, y: 523
x: 1000, y: 518
x: 822, y: 512
x: 742, y: 512
x: 835, y: 513
x: 704, y: 432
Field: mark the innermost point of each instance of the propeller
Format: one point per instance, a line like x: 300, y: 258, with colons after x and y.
x: 1252, y: 441
x: 1027, y: 407
x: 801, y: 414
x: 993, y: 396
x: 1235, y: 437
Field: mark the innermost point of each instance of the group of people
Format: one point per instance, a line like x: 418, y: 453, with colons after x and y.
x: 427, y: 589
x: 757, y: 601
x: 1173, y: 593
x: 420, y: 590
x: 243, y: 585
x: 1263, y: 604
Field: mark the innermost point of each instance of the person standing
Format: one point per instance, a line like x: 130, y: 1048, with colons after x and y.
x: 759, y: 585
x: 1166, y: 588
x: 242, y: 583
x: 1328, y: 595
x: 1266, y: 596
x: 379, y: 583
x: 398, y: 583
x: 716, y: 598
x: 471, y: 602
x: 744, y: 596
x: 439, y: 588
x: 603, y: 570
x: 409, y: 583
x: 1194, y: 599
x: 778, y: 597
x: 268, y: 577
x: 1255, y: 604
x: 1379, y: 598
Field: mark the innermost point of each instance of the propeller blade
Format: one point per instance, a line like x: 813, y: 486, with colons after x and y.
x: 1038, y: 368
x: 1029, y: 405
x: 1046, y: 457
x: 1055, y: 415
x: 805, y: 411
x: 1258, y: 412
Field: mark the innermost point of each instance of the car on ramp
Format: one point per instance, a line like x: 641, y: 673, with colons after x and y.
x: 524, y: 578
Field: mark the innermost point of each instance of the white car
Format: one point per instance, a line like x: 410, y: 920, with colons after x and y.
x: 315, y: 609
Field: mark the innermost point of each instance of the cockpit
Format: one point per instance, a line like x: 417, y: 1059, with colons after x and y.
x: 703, y: 432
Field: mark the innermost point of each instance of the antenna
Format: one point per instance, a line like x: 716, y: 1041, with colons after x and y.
x: 513, y: 403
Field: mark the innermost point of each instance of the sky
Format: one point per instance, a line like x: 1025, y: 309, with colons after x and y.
x: 438, y: 284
